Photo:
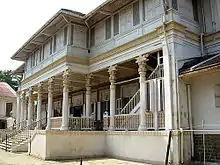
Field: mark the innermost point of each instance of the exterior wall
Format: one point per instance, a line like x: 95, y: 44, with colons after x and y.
x: 203, y: 100
x: 38, y: 146
x: 143, y: 147
x: 128, y: 32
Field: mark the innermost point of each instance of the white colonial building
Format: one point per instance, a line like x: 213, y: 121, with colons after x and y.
x: 124, y: 72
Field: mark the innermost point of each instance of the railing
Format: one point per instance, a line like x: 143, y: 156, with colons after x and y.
x: 131, y: 121
x: 155, y: 94
x: 161, y: 120
x: 56, y: 122
x: 126, y: 122
x: 81, y: 123
x: 18, y: 136
x: 131, y: 104
x: 157, y: 73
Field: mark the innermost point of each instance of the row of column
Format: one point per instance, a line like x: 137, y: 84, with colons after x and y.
x: 141, y: 61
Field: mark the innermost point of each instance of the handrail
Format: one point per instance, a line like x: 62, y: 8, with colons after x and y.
x: 25, y: 127
x: 154, y: 71
x: 138, y: 91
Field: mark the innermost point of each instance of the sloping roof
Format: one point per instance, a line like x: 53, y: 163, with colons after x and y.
x: 6, y: 90
x: 41, y: 36
x: 208, y: 62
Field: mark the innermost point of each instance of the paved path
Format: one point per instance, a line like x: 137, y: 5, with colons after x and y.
x: 7, y: 158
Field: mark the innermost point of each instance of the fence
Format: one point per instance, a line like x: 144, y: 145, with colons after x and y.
x: 204, y: 141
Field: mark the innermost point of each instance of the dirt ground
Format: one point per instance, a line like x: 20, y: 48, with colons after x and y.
x: 7, y: 158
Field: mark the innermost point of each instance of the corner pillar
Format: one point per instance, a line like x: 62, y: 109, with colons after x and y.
x: 65, y: 107
x: 88, y: 95
x: 50, y: 103
x: 30, y: 108
x: 18, y: 110
x: 22, y: 110
x: 112, y: 78
x: 141, y: 61
x: 39, y: 105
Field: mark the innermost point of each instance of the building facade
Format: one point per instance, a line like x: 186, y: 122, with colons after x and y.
x: 117, y: 69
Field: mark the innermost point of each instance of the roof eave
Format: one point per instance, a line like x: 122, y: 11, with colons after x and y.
x: 62, y: 11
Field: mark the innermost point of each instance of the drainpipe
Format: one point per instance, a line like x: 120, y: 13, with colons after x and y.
x: 188, y: 88
x: 165, y: 6
x: 202, y: 29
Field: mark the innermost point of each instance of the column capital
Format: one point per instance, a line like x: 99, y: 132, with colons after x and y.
x: 142, y: 61
x: 50, y: 84
x: 23, y: 96
x: 39, y: 88
x: 30, y: 92
x: 88, y: 78
x: 66, y: 77
x: 112, y: 70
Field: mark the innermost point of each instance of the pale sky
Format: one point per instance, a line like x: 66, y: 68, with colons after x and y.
x: 20, y: 19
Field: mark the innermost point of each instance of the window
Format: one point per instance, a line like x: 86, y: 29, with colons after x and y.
x: 195, y: 10
x: 116, y: 24
x: 92, y: 38
x: 42, y: 52
x: 175, y: 4
x: 51, y: 46
x: 8, y: 109
x: 217, y: 95
x: 65, y: 35
x: 54, y: 43
x: 136, y: 14
x: 108, y: 28
x: 71, y: 35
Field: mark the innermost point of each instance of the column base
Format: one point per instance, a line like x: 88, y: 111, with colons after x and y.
x: 64, y: 128
x: 48, y: 127
x: 111, y: 128
x: 142, y: 128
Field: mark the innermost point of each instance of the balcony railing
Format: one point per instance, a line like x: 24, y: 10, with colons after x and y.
x: 131, y: 121
x: 81, y: 123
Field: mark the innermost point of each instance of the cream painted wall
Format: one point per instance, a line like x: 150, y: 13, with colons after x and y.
x: 203, y: 99
x: 137, y: 146
x: 140, y: 147
x: 69, y: 145
x: 38, y: 145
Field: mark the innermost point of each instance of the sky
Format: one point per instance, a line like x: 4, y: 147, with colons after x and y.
x: 20, y: 19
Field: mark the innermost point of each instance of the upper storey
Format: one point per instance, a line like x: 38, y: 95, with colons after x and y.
x: 110, y: 25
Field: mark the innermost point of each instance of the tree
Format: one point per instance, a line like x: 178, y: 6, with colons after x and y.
x: 8, y: 77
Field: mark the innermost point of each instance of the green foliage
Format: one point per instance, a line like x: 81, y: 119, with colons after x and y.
x: 8, y: 77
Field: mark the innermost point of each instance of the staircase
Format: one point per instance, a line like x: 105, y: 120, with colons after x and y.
x: 16, y: 140
x: 132, y: 105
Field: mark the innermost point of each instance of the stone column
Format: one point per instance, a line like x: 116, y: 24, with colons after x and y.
x: 50, y: 103
x: 141, y: 61
x: 30, y: 108
x: 22, y: 110
x: 39, y: 105
x: 18, y: 110
x: 112, y: 78
x: 88, y: 95
x: 65, y: 107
